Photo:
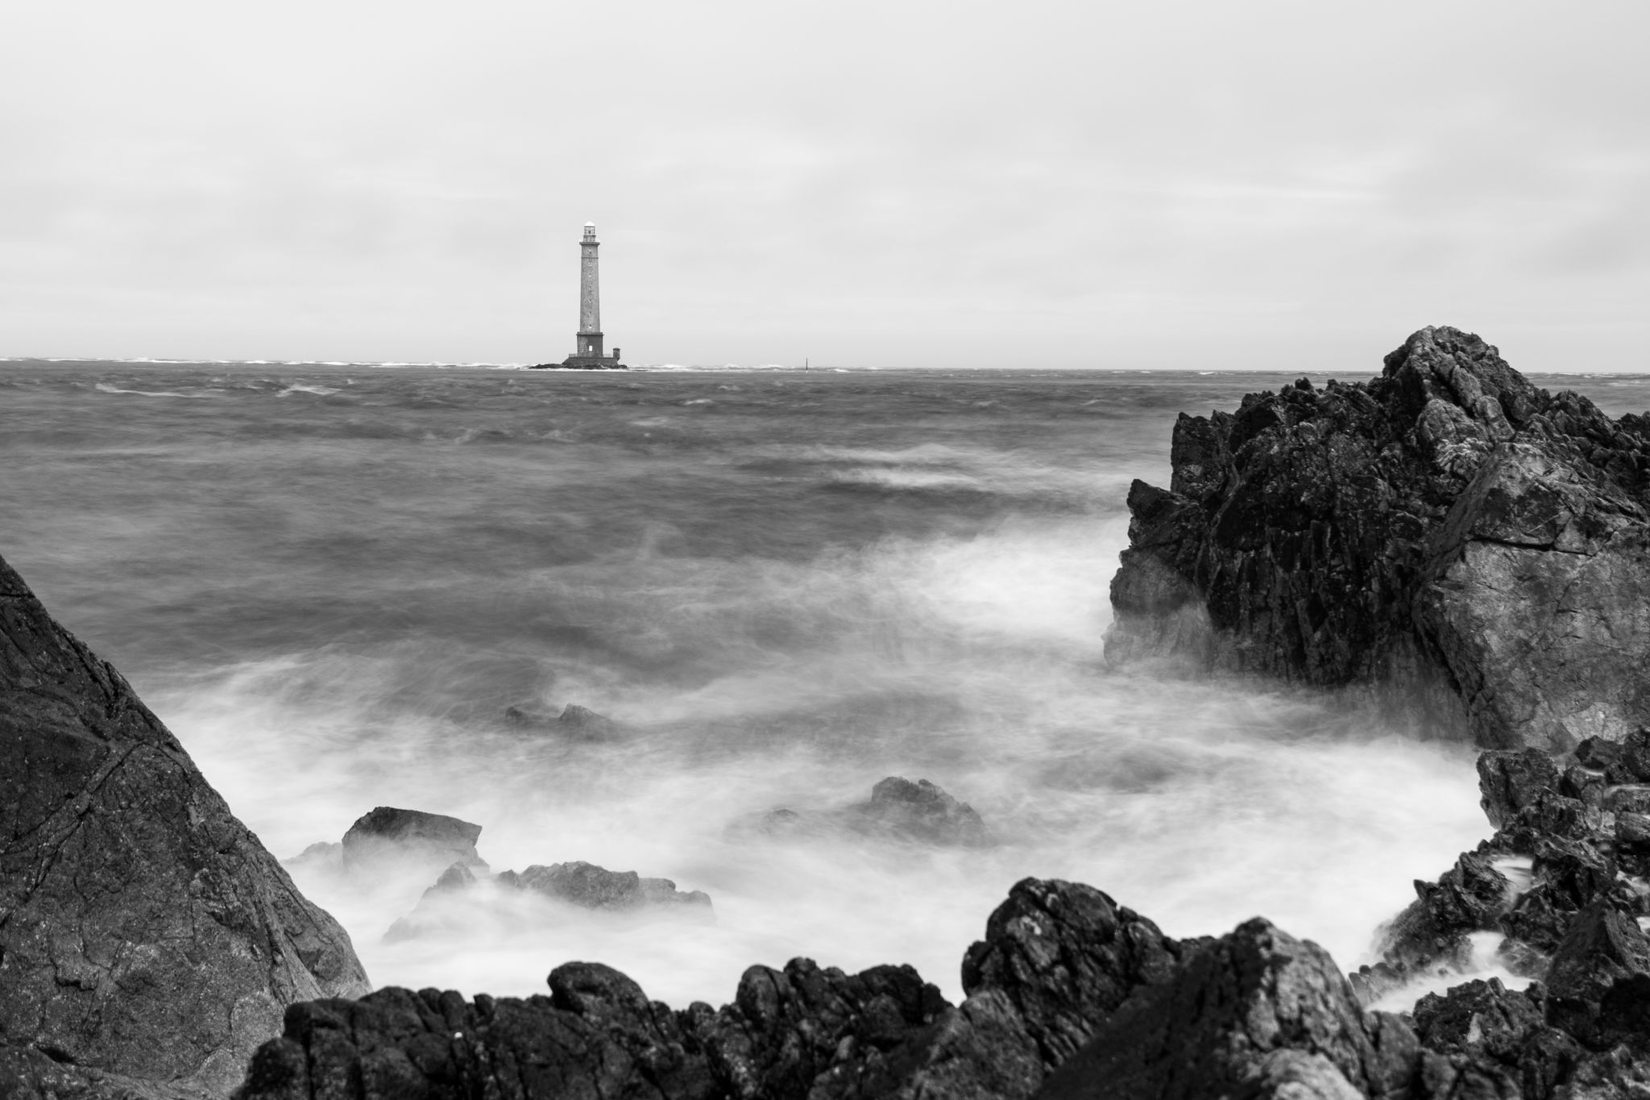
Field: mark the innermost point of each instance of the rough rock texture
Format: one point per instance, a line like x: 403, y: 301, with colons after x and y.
x: 387, y: 835
x: 1057, y: 960
x: 1255, y: 1013
x: 1473, y: 546
x: 143, y: 930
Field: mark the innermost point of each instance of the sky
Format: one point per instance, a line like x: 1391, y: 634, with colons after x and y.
x: 1205, y: 184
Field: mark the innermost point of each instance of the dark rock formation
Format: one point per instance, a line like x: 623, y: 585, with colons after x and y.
x: 1472, y: 545
x: 1255, y: 1013
x: 1058, y: 958
x: 144, y: 932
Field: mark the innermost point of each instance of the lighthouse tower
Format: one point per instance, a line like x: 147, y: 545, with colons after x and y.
x: 589, y: 355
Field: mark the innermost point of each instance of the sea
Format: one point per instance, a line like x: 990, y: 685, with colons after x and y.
x: 332, y: 581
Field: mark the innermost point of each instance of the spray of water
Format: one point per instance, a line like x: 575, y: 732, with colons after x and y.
x: 970, y: 660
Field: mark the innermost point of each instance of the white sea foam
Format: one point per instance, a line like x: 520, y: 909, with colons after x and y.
x: 970, y: 661
x: 104, y: 387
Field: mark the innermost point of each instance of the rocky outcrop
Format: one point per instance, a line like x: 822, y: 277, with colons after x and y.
x: 1472, y: 546
x: 1558, y: 889
x: 1255, y: 1013
x: 1057, y: 960
x: 144, y: 932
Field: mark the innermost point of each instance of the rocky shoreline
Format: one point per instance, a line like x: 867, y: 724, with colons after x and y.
x: 1469, y: 549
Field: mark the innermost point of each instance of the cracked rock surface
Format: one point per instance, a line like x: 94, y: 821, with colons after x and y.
x: 1474, y: 547
x: 146, y: 936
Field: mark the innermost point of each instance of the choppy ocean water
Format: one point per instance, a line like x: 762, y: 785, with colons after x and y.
x: 330, y: 581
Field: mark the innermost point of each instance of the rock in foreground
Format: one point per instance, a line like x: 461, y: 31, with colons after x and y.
x: 1447, y: 530
x: 1058, y: 958
x: 144, y: 931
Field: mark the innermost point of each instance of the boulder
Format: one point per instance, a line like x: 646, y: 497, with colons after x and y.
x: 1254, y: 1013
x: 1510, y: 781
x: 387, y: 838
x: 1602, y: 949
x: 144, y: 931
x: 1474, y: 550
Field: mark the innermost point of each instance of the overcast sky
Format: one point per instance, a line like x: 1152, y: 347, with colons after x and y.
x: 1071, y: 184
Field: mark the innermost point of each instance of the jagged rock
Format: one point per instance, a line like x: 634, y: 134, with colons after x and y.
x: 1066, y: 956
x: 1503, y: 1032
x: 1601, y: 948
x: 1432, y: 933
x: 144, y: 931
x: 1472, y: 546
x: 1057, y: 959
x: 1255, y: 1013
x: 1510, y: 781
x: 387, y: 837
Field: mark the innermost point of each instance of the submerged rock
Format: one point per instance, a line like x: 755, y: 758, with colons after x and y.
x: 1473, y: 546
x: 899, y: 809
x: 1255, y: 1013
x: 461, y: 902
x: 575, y: 723
x: 920, y: 811
x: 591, y: 887
x: 144, y: 931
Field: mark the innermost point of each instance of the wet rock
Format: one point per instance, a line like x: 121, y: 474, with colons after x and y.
x: 391, y: 838
x: 144, y: 931
x: 1470, y: 547
x: 920, y: 811
x: 1511, y: 781
x: 1057, y: 959
x: 1601, y: 949
x: 1503, y: 1033
x: 1255, y: 1013
x: 1432, y: 934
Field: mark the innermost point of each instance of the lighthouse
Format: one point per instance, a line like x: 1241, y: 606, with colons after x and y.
x: 589, y: 354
